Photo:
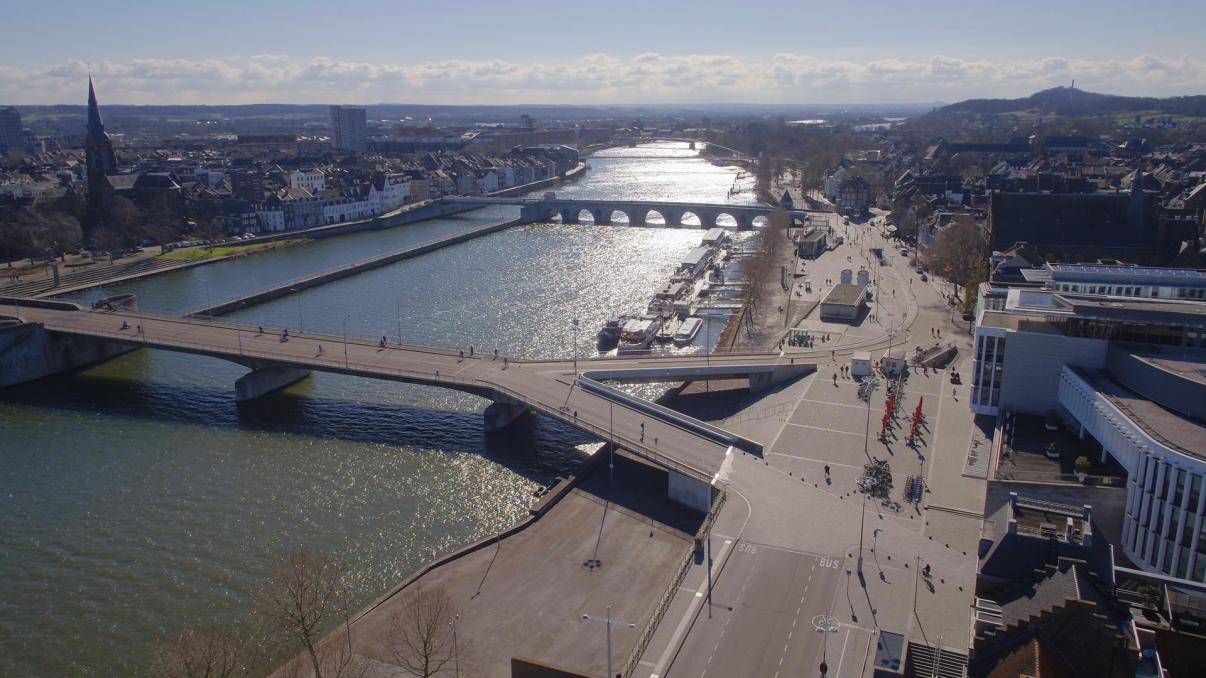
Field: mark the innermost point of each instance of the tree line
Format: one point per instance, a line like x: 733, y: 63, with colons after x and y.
x: 301, y: 626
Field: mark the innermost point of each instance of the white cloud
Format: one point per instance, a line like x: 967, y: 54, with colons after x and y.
x: 594, y: 78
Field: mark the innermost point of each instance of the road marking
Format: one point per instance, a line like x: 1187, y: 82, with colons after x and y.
x: 826, y: 402
x: 819, y: 461
x: 860, y: 434
x: 843, y: 657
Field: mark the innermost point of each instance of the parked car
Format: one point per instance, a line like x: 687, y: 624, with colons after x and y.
x: 924, y: 278
x: 968, y: 315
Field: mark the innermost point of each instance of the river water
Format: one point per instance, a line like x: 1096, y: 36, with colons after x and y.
x: 136, y: 498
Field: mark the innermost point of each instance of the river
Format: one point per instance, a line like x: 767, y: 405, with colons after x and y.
x: 136, y: 498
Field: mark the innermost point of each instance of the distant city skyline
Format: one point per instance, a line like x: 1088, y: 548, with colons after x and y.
x: 528, y: 52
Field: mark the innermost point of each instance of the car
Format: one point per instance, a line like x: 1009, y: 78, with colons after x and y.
x: 968, y: 315
x: 924, y: 278
x: 920, y: 270
x: 904, y: 251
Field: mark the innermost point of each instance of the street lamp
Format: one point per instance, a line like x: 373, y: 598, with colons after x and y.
x: 574, y: 346
x: 456, y: 649
x: 861, y: 522
x: 294, y: 290
x: 587, y: 617
x: 826, y: 625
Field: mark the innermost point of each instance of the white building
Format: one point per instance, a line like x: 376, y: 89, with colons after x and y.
x: 395, y: 192
x: 311, y: 178
x: 1128, y: 373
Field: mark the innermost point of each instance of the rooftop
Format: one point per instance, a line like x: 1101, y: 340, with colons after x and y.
x: 846, y: 294
x: 1180, y: 433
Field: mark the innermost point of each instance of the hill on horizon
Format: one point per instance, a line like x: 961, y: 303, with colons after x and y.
x: 1069, y: 101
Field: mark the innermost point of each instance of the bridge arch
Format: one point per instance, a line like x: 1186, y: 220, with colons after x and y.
x: 690, y: 218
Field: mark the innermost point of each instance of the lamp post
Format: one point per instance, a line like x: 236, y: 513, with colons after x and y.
x: 868, y: 381
x: 574, y: 346
x: 294, y: 290
x: 456, y: 649
x: 861, y: 521
x: 609, y: 622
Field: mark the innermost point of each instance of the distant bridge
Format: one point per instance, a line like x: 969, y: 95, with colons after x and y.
x: 636, y: 211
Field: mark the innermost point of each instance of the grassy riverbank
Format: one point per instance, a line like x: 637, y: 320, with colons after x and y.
x: 220, y: 251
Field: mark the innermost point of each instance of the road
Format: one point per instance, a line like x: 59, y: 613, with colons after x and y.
x: 800, y: 517
x: 762, y: 613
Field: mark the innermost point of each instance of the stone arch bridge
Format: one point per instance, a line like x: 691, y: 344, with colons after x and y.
x: 637, y: 212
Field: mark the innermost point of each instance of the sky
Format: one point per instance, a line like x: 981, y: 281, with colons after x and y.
x: 603, y: 52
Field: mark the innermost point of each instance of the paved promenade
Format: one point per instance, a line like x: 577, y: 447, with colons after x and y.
x: 786, y: 544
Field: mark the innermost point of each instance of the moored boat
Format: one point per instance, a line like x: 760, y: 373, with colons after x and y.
x: 688, y: 331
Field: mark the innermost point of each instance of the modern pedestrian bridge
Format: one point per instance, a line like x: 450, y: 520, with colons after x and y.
x: 56, y: 336
x: 636, y: 212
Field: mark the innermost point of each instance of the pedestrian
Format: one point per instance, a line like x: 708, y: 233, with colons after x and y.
x: 320, y: 349
x: 835, y: 381
x: 642, y: 431
x: 470, y: 351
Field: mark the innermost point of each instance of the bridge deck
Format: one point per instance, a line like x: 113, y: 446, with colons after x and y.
x: 549, y: 387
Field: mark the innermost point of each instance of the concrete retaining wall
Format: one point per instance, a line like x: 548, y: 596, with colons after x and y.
x: 286, y: 288
x: 690, y: 492
x: 29, y: 352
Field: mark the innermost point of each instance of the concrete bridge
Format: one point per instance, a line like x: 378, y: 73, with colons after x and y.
x: 637, y: 212
x: 58, y: 336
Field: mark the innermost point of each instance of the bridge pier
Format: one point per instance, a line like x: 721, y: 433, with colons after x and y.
x: 569, y: 216
x: 602, y: 217
x: 264, y: 380
x: 707, y: 219
x: 673, y: 219
x: 635, y: 217
x: 501, y: 414
x: 744, y: 222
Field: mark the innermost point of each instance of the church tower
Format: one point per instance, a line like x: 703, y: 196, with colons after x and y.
x: 98, y: 150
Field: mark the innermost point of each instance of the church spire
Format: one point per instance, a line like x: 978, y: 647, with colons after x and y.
x: 96, y: 128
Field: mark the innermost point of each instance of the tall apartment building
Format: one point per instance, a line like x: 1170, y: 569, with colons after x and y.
x: 12, y: 136
x: 350, y: 128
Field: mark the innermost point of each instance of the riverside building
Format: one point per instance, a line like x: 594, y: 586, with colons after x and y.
x: 1119, y: 354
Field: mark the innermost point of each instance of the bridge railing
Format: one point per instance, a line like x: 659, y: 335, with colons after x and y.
x: 334, y: 361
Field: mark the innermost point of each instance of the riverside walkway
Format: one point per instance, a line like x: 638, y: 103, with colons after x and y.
x: 582, y: 399
x: 346, y: 270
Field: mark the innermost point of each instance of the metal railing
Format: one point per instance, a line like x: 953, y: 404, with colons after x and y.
x: 334, y: 361
x: 663, y: 603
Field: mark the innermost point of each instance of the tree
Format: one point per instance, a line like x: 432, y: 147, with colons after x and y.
x: 206, y: 652
x: 303, y: 597
x: 959, y: 252
x: 421, y: 633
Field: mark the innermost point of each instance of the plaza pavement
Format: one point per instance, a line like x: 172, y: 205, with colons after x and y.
x: 788, y: 536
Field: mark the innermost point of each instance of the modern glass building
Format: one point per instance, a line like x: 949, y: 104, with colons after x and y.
x: 1128, y: 371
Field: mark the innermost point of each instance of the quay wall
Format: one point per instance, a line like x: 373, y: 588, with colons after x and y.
x: 28, y: 352
x: 322, y: 277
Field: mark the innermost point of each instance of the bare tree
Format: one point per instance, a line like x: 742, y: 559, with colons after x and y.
x: 959, y: 252
x: 303, y: 596
x: 206, y: 652
x: 421, y: 635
